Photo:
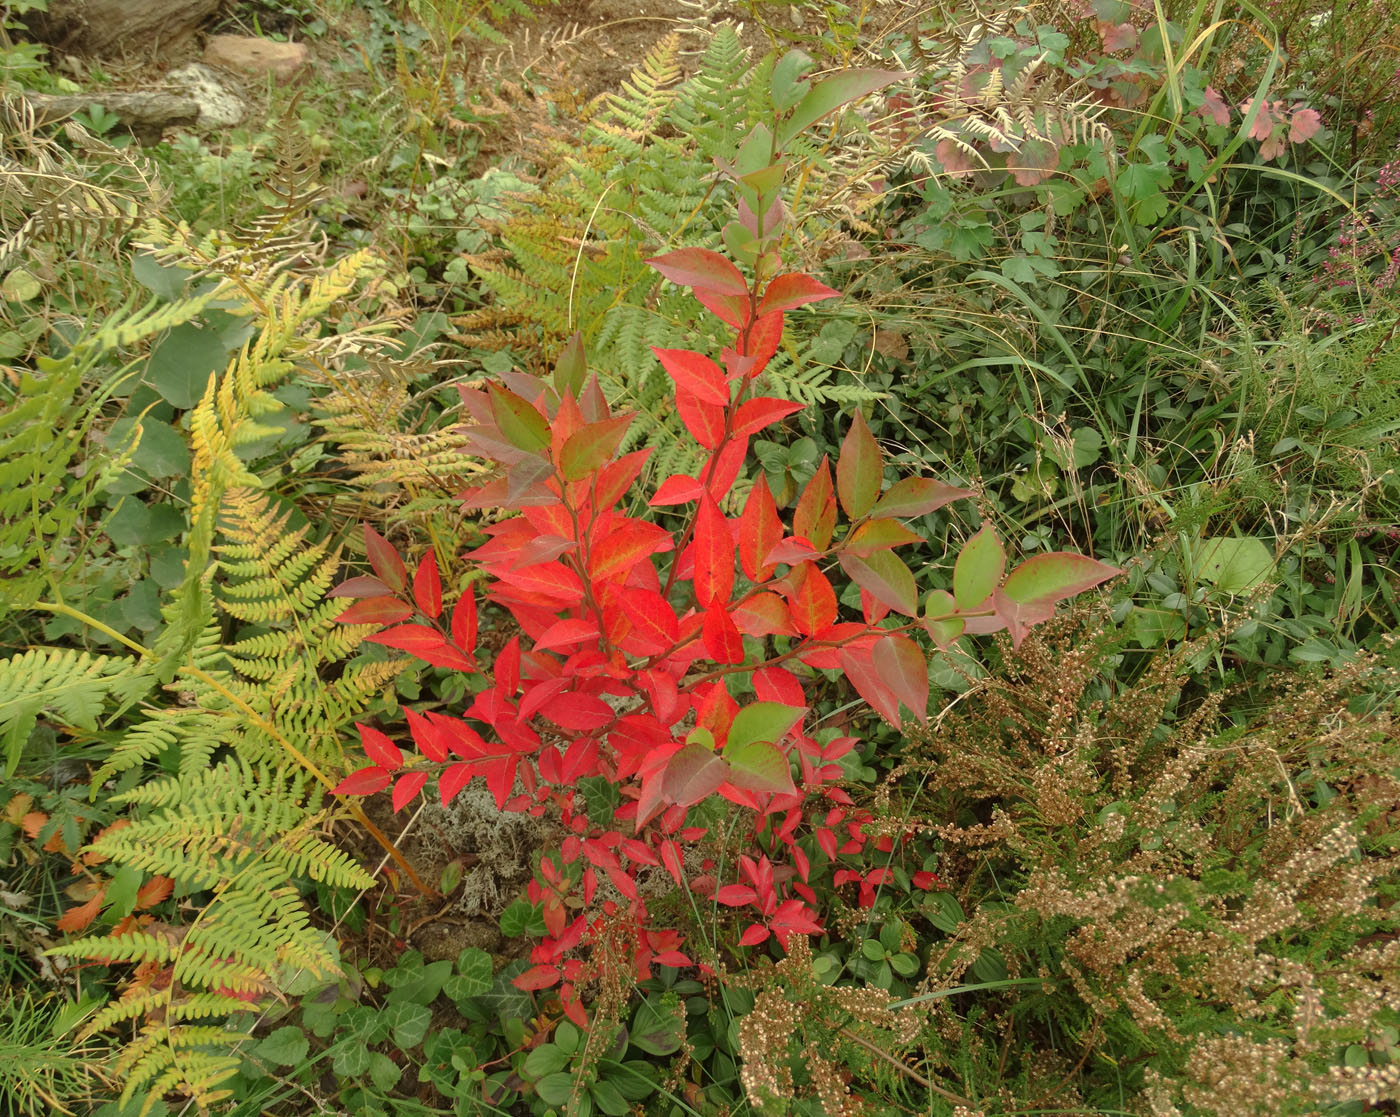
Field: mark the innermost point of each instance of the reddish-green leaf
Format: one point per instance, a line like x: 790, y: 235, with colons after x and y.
x: 814, y: 519
x: 1055, y: 576
x: 702, y: 269
x: 1019, y: 616
x: 571, y: 368
x: 692, y: 774
x: 385, y: 560
x: 376, y: 610
x: 900, y: 663
x: 763, y: 614
x: 592, y: 446
x: 887, y: 579
x: 713, y: 555
x: 860, y: 471
x: 829, y: 95
x: 812, y: 604
x: 759, y: 766
x: 367, y: 781
x: 978, y: 571
x: 792, y: 290
x: 427, y: 586
x: 407, y: 788
x: 379, y: 748
x: 518, y: 421
x: 361, y: 586
x: 617, y: 478
x: 760, y: 531
x: 878, y: 535
x: 861, y: 673
x: 696, y: 374
x: 917, y: 496
x: 755, y: 414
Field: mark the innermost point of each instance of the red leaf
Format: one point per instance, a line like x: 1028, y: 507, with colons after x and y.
x: 536, y: 978
x: 860, y: 470
x: 427, y: 586
x: 153, y: 892
x: 376, y: 610
x: 426, y: 736
x: 814, y: 519
x: 385, y: 560
x: 776, y: 684
x: 713, y: 555
x: 702, y: 269
x: 680, y: 489
x: 704, y: 421
x: 754, y: 415
x: 366, y: 781
x: 793, y: 290
x: 733, y: 310
x: 721, y: 637
x: 464, y: 622
x: 754, y: 935
x: 453, y: 780
x: 900, y: 663
x: 653, y: 619
x: 616, y: 478
x: 725, y: 466
x: 571, y: 630
x: 423, y: 643
x: 620, y: 550
x: 379, y: 748
x: 760, y: 531
x: 696, y: 374
x: 736, y: 895
x: 576, y: 711
x: 813, y: 603
x: 407, y: 789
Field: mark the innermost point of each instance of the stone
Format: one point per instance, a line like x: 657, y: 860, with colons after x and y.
x: 219, y: 105
x: 250, y: 55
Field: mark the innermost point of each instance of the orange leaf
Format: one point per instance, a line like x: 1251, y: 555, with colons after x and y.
x: 76, y: 919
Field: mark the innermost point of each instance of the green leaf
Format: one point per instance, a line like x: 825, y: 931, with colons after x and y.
x: 184, y: 359
x: 521, y: 920
x: 555, y: 1089
x: 383, y: 1071
x: 162, y: 451
x: 829, y: 95
x: 520, y: 424
x: 410, y: 1023
x: 872, y: 949
x: 474, y: 971
x: 979, y: 568
x: 351, y: 1058
x: 658, y: 1028
x: 761, y: 721
x: 546, y: 1059
x: 165, y: 281
x: 135, y: 524
x: 286, y: 1047
x: 860, y: 471
x: 416, y: 982
x: 20, y: 286
x: 787, y: 86
x: 608, y: 1098
x: 1234, y: 565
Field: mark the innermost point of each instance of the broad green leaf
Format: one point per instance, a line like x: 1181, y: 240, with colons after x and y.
x: 555, y: 1089
x: 520, y: 424
x: 166, y: 281
x: 761, y: 721
x: 939, y: 622
x: 787, y: 86
x: 410, y: 1023
x: 1055, y: 576
x: 859, y: 470
x: 286, y: 1047
x: 162, y: 451
x: 759, y: 766
x: 829, y: 95
x: 1234, y: 565
x: 658, y: 1028
x: 383, y: 1071
x: 351, y: 1058
x: 20, y: 286
x: 182, y: 362
x: 548, y: 1058
x: 979, y: 568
